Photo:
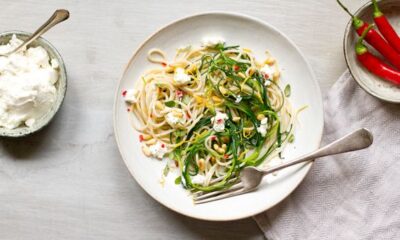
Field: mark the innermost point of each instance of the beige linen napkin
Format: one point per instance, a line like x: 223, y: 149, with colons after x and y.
x: 353, y: 195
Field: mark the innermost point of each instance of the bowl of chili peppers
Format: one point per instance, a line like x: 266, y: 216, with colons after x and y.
x: 372, y: 48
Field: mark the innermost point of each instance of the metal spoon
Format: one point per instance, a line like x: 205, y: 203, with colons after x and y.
x: 58, y: 16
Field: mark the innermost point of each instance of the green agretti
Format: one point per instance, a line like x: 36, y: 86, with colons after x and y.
x: 254, y: 102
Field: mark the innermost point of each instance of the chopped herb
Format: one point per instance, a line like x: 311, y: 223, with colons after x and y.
x: 180, y: 133
x: 219, y: 46
x: 178, y: 180
x: 291, y: 138
x: 166, y: 170
x: 170, y: 103
x: 287, y: 90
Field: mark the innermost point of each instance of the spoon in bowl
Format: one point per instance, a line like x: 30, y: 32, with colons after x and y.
x: 58, y: 16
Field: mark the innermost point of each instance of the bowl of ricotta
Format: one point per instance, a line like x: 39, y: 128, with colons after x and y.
x: 33, y: 83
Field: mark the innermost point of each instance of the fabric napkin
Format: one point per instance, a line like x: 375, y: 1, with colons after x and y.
x: 348, y: 196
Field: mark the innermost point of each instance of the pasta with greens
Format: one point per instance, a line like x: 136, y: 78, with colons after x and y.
x: 213, y: 109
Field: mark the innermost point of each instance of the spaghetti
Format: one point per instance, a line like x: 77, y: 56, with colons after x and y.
x: 213, y: 110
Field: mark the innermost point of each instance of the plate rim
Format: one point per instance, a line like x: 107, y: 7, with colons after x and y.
x: 231, y: 14
x: 347, y: 31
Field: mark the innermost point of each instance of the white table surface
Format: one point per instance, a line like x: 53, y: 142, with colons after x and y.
x: 69, y: 181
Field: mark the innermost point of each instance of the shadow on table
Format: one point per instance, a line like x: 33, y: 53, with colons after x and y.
x: 23, y: 148
x: 239, y: 229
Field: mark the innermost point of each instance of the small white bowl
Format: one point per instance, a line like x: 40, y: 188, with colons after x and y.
x: 374, y: 85
x: 61, y: 85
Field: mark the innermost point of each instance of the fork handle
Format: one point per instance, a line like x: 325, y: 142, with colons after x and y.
x: 356, y: 140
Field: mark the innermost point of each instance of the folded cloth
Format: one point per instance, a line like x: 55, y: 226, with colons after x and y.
x: 348, y: 196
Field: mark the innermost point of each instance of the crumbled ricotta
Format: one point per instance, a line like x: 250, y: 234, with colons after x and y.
x: 262, y: 129
x: 158, y: 150
x: 212, y: 41
x: 198, y: 179
x: 267, y: 71
x: 176, y: 117
x: 130, y: 95
x: 180, y: 77
x: 219, y: 121
x: 238, y: 99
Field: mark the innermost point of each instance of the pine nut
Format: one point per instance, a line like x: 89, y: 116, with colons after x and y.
x: 276, y: 75
x: 234, y: 89
x: 240, y: 74
x: 236, y: 119
x: 220, y: 150
x: 223, y: 90
x: 159, y: 105
x: 151, y: 141
x: 192, y: 68
x: 169, y: 69
x: 146, y: 137
x: 251, y: 71
x: 213, y: 160
x: 216, y: 147
x: 260, y: 117
x: 201, y: 164
x: 177, y: 114
x: 270, y: 61
x: 216, y: 99
x: 146, y: 151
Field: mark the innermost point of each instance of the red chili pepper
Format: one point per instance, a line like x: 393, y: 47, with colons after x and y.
x: 179, y: 93
x: 385, y: 28
x: 375, y: 39
x: 164, y: 64
x: 141, y: 138
x: 124, y: 93
x: 374, y: 64
x: 213, y: 138
x: 236, y: 68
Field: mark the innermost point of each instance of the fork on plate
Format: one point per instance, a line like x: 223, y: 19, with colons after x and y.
x: 251, y: 177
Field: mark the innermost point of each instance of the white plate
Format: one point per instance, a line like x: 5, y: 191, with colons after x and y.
x: 251, y: 33
x: 374, y: 85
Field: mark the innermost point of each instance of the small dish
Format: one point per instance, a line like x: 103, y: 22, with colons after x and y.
x: 374, y: 85
x: 61, y: 85
x: 247, y: 32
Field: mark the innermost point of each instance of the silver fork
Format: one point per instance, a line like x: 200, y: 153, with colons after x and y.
x: 250, y: 177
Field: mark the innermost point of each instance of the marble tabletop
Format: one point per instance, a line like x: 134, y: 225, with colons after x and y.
x: 68, y: 181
